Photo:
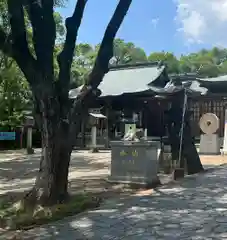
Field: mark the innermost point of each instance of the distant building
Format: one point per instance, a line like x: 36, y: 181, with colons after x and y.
x: 127, y: 90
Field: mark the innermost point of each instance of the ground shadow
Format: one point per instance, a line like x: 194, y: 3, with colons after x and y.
x: 194, y: 208
x: 19, y: 171
x: 87, y: 175
x: 23, y: 166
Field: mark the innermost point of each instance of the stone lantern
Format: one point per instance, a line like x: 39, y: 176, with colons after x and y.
x: 94, y: 117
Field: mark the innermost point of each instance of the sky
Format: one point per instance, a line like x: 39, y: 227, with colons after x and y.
x: 178, y: 26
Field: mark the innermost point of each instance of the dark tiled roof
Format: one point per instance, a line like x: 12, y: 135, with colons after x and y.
x: 125, y: 79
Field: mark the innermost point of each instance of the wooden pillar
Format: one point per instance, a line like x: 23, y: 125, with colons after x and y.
x: 115, y: 132
x: 94, y: 148
x: 29, y: 141
x: 94, y: 136
x: 225, y: 133
x: 144, y: 116
x: 107, y: 127
x: 21, y: 137
x: 83, y: 140
x: 29, y: 123
x: 145, y: 133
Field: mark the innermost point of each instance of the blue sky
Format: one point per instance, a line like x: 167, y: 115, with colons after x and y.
x: 150, y: 24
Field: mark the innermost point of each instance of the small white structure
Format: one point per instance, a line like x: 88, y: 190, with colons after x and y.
x: 95, y: 115
x: 209, y: 140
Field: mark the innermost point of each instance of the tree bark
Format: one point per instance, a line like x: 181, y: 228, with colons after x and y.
x: 16, y: 44
x: 51, y: 184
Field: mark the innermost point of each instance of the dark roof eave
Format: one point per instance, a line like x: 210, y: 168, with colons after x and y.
x: 148, y: 92
x: 136, y: 65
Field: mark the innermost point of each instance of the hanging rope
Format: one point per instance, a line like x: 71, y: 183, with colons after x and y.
x: 182, y: 126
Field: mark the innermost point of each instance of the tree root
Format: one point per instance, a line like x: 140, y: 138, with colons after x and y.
x: 37, y: 197
x: 30, y: 200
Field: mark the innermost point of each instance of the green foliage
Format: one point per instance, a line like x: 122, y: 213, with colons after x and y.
x: 167, y: 58
x: 14, y: 97
x: 84, y: 59
x: 60, y: 27
x: 206, y: 63
x: 60, y: 3
x: 127, y: 53
x: 15, y: 94
x: 85, y: 56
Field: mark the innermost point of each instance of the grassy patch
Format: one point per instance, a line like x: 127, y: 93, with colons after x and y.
x: 13, y: 217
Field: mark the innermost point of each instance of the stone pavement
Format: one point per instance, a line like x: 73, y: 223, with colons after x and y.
x: 195, y: 208
x: 18, y: 170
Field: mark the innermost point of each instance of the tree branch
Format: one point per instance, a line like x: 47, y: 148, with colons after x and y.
x: 34, y: 11
x: 101, y: 66
x: 65, y: 58
x: 41, y: 15
x: 20, y: 50
x: 48, y: 18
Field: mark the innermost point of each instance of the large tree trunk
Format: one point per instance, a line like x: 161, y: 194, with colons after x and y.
x: 51, y: 184
x: 52, y: 179
x: 56, y: 121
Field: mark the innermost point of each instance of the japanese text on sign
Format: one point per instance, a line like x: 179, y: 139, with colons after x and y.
x: 123, y: 153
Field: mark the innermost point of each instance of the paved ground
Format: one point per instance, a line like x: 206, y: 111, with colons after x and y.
x: 87, y: 170
x: 195, y: 208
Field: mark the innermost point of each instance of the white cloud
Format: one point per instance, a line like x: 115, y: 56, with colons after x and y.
x: 155, y: 22
x: 203, y: 21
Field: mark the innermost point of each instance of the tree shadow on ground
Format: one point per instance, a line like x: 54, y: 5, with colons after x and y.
x: 135, y: 217
x: 23, y: 165
x: 19, y: 171
x: 87, y: 175
x: 194, y: 208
